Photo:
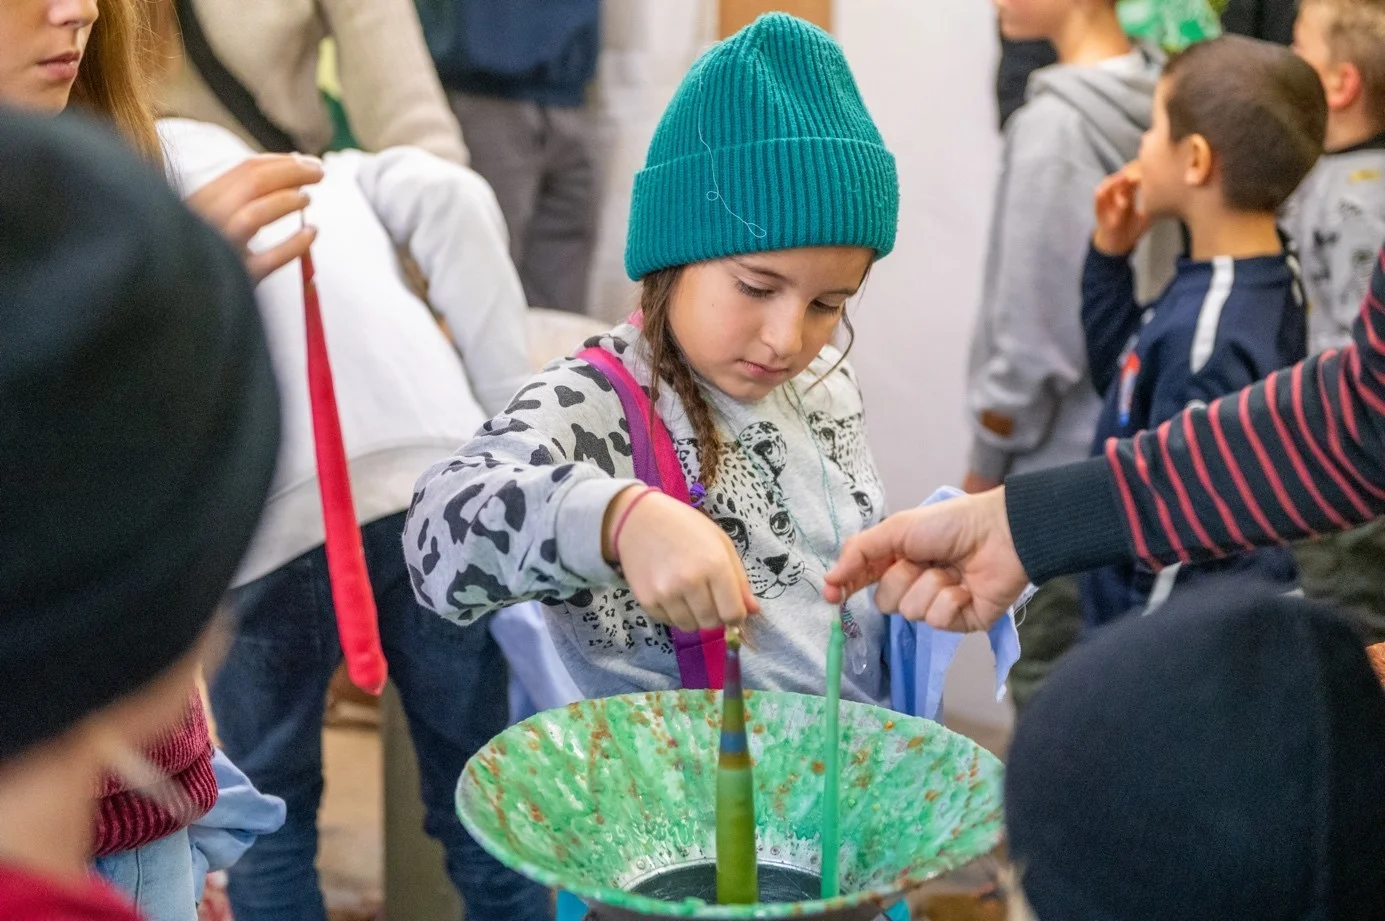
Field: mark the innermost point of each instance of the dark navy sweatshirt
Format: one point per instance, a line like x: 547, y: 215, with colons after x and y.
x: 1218, y: 327
x: 540, y: 51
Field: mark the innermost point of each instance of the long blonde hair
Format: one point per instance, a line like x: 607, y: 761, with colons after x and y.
x: 114, y: 79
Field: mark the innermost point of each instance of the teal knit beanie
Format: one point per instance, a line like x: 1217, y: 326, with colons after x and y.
x: 765, y: 146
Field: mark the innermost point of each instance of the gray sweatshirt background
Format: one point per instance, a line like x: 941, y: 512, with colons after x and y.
x: 1028, y: 370
x: 1337, y: 222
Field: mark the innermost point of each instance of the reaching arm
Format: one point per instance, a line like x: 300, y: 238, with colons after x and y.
x: 1298, y: 454
x: 447, y: 218
x: 517, y: 514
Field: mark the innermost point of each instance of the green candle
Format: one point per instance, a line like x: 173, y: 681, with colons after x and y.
x: 737, y: 879
x: 831, y: 775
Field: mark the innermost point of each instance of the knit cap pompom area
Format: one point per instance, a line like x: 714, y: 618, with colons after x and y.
x: 766, y: 145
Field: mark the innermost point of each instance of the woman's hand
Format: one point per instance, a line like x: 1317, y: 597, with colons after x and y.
x: 1120, y: 220
x: 255, y: 194
x: 952, y: 565
x: 681, y: 566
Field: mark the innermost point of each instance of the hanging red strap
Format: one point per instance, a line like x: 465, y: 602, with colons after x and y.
x: 357, y: 624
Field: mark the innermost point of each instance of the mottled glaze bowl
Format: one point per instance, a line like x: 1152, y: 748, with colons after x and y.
x: 604, y: 797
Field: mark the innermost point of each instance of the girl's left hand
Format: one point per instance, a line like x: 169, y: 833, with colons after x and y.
x: 255, y: 194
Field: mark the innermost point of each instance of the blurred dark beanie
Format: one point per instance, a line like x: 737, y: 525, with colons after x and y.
x: 139, y: 423
x: 1221, y: 758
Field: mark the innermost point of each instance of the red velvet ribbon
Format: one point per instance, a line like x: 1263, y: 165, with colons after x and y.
x: 357, y: 622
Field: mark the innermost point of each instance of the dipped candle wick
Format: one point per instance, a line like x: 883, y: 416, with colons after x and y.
x: 737, y: 878
x: 831, y: 775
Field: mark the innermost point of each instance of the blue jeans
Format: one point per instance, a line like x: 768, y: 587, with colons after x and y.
x: 157, y: 877
x: 269, y: 697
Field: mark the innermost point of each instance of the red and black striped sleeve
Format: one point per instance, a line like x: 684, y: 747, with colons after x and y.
x: 1298, y: 454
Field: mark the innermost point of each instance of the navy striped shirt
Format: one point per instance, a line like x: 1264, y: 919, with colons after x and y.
x: 1299, y: 454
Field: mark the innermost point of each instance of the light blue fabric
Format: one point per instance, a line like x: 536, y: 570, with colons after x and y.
x: 158, y: 878
x: 241, y: 815
x: 538, y: 678
x: 920, y: 656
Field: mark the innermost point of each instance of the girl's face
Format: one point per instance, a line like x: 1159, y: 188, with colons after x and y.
x: 41, y: 45
x: 749, y: 323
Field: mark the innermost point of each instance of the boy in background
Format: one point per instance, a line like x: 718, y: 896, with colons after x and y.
x: 138, y: 433
x: 1337, y: 222
x: 1237, y: 125
x: 1030, y: 398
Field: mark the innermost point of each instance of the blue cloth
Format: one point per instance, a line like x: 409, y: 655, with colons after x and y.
x: 538, y: 679
x: 540, y: 51
x: 1219, y: 327
x: 268, y: 701
x: 920, y: 656
x: 157, y: 877
x: 241, y: 815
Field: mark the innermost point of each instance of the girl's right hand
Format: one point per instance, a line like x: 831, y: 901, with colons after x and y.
x: 255, y: 194
x: 1120, y: 221
x: 681, y: 566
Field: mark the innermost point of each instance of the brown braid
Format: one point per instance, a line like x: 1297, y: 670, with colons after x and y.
x: 667, y: 364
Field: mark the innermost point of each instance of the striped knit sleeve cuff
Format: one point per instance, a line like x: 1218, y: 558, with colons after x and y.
x: 1066, y: 520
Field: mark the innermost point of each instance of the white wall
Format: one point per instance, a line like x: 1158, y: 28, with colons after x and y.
x: 926, y: 70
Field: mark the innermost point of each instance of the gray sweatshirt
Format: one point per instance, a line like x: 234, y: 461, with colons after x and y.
x: 1030, y: 398
x: 1337, y: 222
x: 516, y: 515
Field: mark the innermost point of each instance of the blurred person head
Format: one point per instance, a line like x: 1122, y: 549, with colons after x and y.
x: 1029, y: 20
x: 1237, y: 123
x: 1220, y: 758
x: 93, y: 55
x: 138, y: 433
x: 1344, y: 42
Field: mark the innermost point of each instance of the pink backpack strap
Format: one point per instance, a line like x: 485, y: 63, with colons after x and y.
x: 700, y: 655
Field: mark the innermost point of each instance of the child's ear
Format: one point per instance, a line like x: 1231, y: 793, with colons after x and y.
x: 1197, y: 170
x: 1344, y: 88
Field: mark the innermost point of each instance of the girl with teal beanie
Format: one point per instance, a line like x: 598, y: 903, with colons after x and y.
x: 766, y: 197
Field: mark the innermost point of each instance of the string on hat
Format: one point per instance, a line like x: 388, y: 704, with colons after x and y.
x: 714, y: 193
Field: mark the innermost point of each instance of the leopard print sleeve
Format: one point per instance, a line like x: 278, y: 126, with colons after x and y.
x: 516, y: 514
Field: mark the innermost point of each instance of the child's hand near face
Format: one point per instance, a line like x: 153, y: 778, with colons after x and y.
x: 1120, y: 220
x: 681, y: 566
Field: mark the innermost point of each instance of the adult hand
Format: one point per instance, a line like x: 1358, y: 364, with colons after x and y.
x: 681, y: 566
x: 255, y: 194
x: 952, y: 565
x: 1120, y: 220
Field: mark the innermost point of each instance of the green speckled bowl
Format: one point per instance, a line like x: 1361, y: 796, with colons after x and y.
x: 598, y: 797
